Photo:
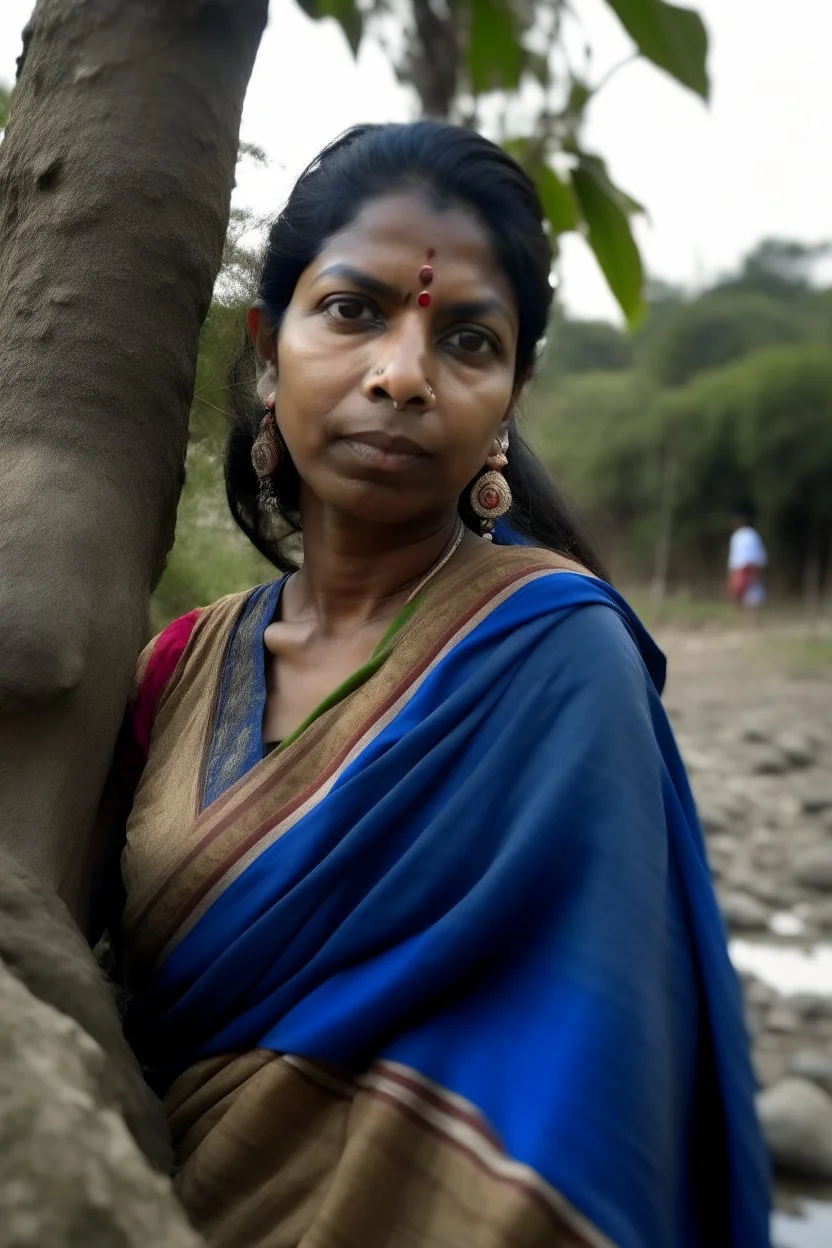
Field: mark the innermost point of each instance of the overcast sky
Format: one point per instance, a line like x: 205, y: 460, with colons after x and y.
x: 715, y: 180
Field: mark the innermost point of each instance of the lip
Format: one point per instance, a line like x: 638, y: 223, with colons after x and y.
x: 388, y: 444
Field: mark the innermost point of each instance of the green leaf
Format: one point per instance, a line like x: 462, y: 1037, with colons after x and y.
x: 346, y: 13
x: 557, y: 199
x: 611, y: 239
x: 597, y: 167
x: 579, y: 96
x: 495, y: 54
x: 673, y: 38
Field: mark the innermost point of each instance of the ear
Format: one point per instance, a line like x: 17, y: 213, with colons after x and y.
x: 507, y: 421
x: 519, y: 386
x: 263, y: 336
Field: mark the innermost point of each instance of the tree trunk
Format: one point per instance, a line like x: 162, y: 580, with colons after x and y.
x: 664, y: 541
x: 433, y: 58
x: 115, y: 182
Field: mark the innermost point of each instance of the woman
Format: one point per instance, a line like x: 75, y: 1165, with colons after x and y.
x: 418, y: 915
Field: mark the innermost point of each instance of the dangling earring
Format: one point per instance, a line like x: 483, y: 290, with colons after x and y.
x: 490, y: 494
x: 266, y: 455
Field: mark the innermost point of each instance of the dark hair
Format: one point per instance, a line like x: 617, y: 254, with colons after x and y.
x: 366, y: 163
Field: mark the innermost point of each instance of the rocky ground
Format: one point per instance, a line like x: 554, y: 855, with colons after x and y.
x: 753, y: 716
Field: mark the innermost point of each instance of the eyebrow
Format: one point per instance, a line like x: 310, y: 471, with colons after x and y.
x: 362, y: 280
x: 475, y: 309
x: 471, y: 309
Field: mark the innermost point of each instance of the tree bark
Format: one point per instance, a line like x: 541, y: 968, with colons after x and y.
x: 115, y: 181
x: 433, y: 59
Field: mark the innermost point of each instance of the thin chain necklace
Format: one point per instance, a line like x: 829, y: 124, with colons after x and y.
x: 447, y: 554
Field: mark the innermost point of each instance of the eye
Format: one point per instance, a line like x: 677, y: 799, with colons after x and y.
x: 350, y: 310
x: 471, y: 341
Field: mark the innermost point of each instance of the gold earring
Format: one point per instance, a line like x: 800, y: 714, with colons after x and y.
x: 265, y: 450
x: 490, y: 496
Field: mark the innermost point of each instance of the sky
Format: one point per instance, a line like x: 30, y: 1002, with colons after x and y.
x: 715, y: 179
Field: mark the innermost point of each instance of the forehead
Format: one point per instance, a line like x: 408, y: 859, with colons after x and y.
x: 395, y: 233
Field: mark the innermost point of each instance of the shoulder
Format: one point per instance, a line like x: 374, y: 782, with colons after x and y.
x: 582, y: 625
x: 601, y: 648
x: 594, y: 675
x: 162, y: 655
x: 154, y: 669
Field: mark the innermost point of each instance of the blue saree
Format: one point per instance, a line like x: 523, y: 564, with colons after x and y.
x: 448, y: 967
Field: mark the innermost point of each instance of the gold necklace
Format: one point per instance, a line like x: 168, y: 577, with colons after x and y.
x: 448, y: 553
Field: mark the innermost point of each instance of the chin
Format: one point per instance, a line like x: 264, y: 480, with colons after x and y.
x: 387, y: 502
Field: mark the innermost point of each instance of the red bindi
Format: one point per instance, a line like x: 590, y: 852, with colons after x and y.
x: 424, y: 299
x: 426, y: 274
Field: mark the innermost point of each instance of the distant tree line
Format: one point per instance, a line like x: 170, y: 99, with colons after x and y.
x: 719, y: 398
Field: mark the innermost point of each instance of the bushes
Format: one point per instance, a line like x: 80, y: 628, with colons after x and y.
x: 758, y: 428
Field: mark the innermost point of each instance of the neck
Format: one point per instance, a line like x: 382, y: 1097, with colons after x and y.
x: 354, y: 575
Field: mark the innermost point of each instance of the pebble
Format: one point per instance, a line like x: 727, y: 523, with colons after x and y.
x: 783, y: 1020
x: 799, y: 750
x: 821, y: 913
x: 816, y: 802
x: 770, y: 762
x: 796, y: 1117
x: 813, y: 1065
x: 813, y: 867
x: 743, y: 912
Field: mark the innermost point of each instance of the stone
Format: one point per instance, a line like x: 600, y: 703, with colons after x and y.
x: 744, y: 913
x: 770, y: 762
x: 800, y: 750
x: 821, y: 913
x: 783, y: 1020
x: 712, y: 815
x: 758, y: 994
x: 721, y: 845
x: 813, y: 1065
x: 796, y: 1117
x: 71, y: 1174
x: 811, y: 1006
x: 816, y: 801
x: 813, y: 867
x: 754, y: 733
x: 786, y: 923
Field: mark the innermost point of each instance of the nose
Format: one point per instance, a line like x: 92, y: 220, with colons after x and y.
x: 401, y: 375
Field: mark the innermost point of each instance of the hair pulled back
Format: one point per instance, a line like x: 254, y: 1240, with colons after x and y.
x: 451, y: 165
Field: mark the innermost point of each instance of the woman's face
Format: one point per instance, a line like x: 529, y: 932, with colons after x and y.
x: 389, y: 408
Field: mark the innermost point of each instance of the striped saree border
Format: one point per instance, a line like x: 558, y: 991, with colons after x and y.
x: 458, y: 1123
x: 390, y: 1102
x: 278, y: 792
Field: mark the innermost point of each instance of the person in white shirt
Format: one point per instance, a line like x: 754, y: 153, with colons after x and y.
x: 747, y: 558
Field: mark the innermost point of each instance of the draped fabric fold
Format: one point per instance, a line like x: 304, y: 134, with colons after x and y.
x: 448, y: 968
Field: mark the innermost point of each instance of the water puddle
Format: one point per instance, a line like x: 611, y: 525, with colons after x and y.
x: 786, y: 968
x: 802, y: 1221
x: 810, y: 1226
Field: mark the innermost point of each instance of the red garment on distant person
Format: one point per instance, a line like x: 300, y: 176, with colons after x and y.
x: 740, y: 581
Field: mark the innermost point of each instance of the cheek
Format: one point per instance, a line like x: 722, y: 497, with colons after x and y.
x: 475, y: 408
x: 308, y: 384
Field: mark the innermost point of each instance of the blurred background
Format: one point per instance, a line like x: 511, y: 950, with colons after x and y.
x: 681, y: 160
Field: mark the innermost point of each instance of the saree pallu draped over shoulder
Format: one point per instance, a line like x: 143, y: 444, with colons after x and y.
x: 447, y: 968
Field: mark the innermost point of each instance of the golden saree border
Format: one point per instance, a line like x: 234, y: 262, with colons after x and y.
x: 278, y: 1151
x: 197, y: 860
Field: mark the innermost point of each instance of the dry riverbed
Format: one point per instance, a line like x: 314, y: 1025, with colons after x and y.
x: 753, y: 716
